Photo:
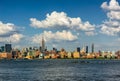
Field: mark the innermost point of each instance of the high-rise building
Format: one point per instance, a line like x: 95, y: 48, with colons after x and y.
x: 43, y: 44
x: 40, y: 49
x: 8, y: 48
x: 92, y: 48
x: 86, y: 49
x: 78, y: 49
x: 2, y: 48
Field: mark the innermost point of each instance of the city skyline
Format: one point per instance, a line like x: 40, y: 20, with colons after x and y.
x: 63, y: 24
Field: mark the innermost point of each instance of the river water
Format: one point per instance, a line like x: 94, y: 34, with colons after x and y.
x: 60, y: 70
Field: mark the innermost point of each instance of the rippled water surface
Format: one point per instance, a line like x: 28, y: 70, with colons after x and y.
x: 60, y: 70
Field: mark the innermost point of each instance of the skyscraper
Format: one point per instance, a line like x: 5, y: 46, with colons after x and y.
x: 43, y: 44
x: 86, y: 49
x: 92, y: 48
x: 2, y: 48
x: 78, y: 49
x: 8, y: 48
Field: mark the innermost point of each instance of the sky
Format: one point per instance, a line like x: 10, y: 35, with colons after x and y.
x: 63, y: 23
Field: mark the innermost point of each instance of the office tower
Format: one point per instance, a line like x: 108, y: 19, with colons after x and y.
x: 30, y: 48
x: 8, y: 48
x: 92, y: 48
x: 2, y: 48
x: 43, y: 44
x: 40, y: 48
x: 14, y: 53
x: 54, y: 48
x: 86, y: 49
x: 78, y: 49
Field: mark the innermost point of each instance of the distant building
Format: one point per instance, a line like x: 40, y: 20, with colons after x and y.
x: 5, y: 55
x: 69, y: 55
x: 43, y: 44
x: 86, y: 49
x: 8, y: 48
x: 54, y: 49
x: 78, y: 49
x: 2, y: 48
x: 14, y: 54
x: 92, y: 48
x: 76, y: 54
x: 40, y: 48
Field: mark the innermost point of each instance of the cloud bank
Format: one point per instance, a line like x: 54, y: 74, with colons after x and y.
x: 60, y: 19
x: 58, y: 36
x: 111, y: 26
x: 9, y: 33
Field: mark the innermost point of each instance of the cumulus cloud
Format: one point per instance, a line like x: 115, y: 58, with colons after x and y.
x: 9, y: 33
x: 114, y: 15
x: 112, y: 5
x: 54, y: 37
x: 6, y: 28
x: 60, y: 19
x: 112, y: 25
x: 16, y: 37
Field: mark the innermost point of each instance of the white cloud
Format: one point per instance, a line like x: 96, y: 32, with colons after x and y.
x: 110, y: 30
x: 55, y: 37
x: 16, y: 37
x: 113, y: 5
x: 112, y: 25
x: 114, y: 15
x: 9, y: 33
x: 60, y: 19
x: 6, y: 28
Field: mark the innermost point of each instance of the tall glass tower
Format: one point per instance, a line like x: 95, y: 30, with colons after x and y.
x: 92, y: 48
x: 43, y: 44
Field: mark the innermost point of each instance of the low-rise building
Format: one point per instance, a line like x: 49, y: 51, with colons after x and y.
x: 5, y: 55
x: 76, y: 54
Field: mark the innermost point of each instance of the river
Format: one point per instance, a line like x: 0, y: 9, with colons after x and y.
x: 60, y: 70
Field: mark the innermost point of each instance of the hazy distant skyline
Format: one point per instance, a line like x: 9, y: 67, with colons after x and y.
x: 63, y: 24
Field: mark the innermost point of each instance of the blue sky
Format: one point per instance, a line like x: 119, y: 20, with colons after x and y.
x: 63, y: 23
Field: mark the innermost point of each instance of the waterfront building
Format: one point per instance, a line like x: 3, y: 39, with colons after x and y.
x: 69, y: 55
x: 46, y: 57
x: 41, y: 56
x: 113, y: 54
x: 82, y: 52
x: 76, y: 54
x: 102, y: 53
x: 63, y: 53
x: 37, y: 53
x: 90, y: 56
x: 5, y: 55
x: 8, y: 48
x: 14, y: 54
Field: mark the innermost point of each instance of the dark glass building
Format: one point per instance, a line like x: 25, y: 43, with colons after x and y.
x: 2, y: 48
x: 86, y: 49
x: 8, y: 48
x: 92, y: 48
x: 78, y: 49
